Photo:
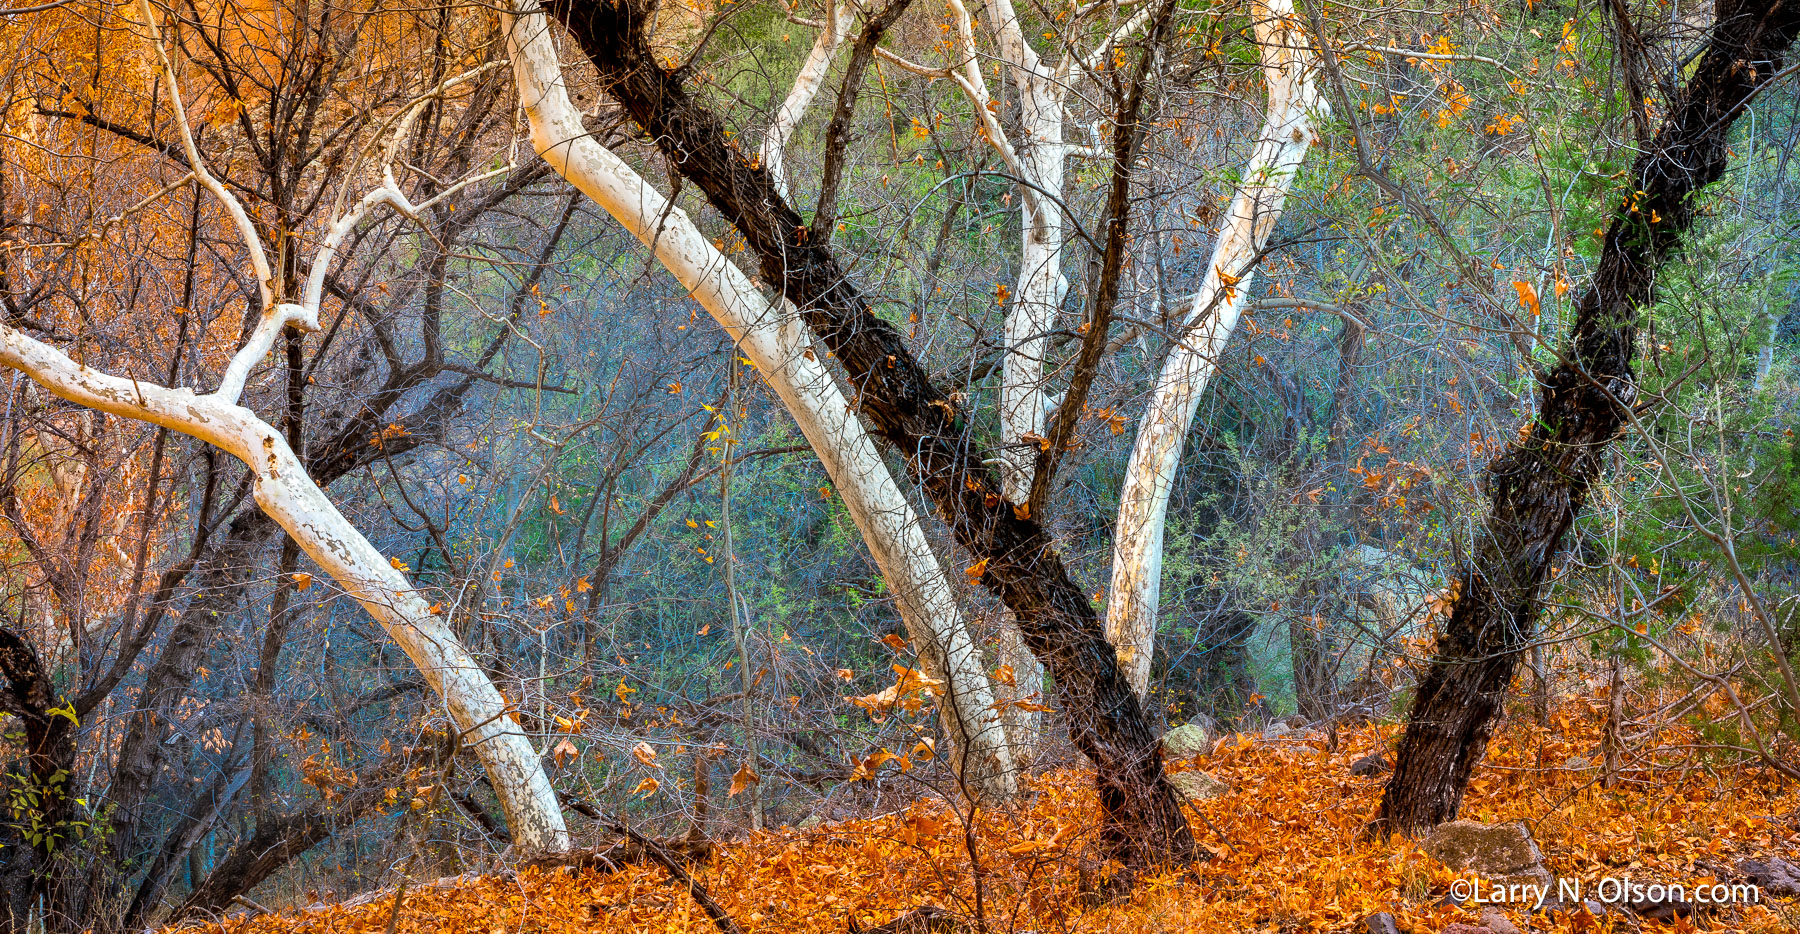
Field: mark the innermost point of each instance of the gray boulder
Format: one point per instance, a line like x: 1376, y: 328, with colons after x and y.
x: 1774, y: 876
x: 1185, y: 742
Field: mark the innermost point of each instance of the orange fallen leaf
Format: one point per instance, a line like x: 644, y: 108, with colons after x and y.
x: 742, y: 779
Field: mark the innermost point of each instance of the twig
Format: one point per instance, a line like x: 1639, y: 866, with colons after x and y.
x: 720, y: 918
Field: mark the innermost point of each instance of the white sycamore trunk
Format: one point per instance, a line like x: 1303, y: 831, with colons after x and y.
x: 838, y: 19
x: 1287, y: 134
x: 290, y: 497
x: 285, y: 491
x: 1040, y: 157
x: 780, y: 347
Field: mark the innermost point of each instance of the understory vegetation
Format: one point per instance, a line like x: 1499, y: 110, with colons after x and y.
x: 778, y: 467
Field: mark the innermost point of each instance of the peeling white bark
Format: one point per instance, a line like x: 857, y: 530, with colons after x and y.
x: 839, y: 16
x: 1040, y: 157
x: 290, y: 497
x: 285, y: 491
x: 780, y: 347
x: 1287, y: 134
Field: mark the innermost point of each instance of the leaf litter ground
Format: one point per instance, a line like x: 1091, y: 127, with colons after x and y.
x: 1288, y: 854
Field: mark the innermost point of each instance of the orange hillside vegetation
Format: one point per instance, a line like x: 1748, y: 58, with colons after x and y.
x: 1287, y: 851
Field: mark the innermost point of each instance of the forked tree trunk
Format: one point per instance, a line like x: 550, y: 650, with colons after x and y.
x: 1013, y: 555
x: 1041, y: 161
x: 1030, y: 316
x: 285, y: 491
x: 1538, y: 486
x: 781, y: 348
x: 1287, y: 134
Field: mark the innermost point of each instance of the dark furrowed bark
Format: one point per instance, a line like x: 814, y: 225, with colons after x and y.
x: 1537, y: 487
x: 1014, y: 556
x: 27, y: 692
x: 837, y: 132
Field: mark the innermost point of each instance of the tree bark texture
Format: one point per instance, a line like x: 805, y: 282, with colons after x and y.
x: 1013, y: 555
x: 1538, y: 486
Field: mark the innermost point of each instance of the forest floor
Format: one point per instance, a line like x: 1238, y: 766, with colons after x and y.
x: 1288, y: 855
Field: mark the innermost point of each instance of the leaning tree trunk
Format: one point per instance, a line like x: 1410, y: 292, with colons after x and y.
x: 1039, y: 155
x: 1538, y: 486
x: 288, y: 494
x: 1287, y: 134
x: 781, y: 348
x: 1041, y: 158
x: 1014, y: 556
x: 838, y: 18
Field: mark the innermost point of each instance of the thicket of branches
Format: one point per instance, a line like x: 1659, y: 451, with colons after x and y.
x: 625, y: 520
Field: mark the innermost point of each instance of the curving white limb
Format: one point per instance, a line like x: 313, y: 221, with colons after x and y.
x: 780, y: 347
x: 288, y: 494
x: 285, y: 491
x: 838, y: 19
x: 1294, y: 108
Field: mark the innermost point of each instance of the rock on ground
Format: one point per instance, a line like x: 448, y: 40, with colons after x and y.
x: 1774, y: 876
x: 1496, y: 920
x: 1195, y: 785
x: 1504, y: 854
x: 1382, y: 923
x: 1185, y: 742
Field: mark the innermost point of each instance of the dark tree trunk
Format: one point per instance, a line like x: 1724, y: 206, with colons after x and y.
x: 1014, y: 557
x: 224, y: 579
x: 1538, y: 486
x: 1314, y: 665
x: 273, y: 846
x: 1209, y: 674
x: 27, y: 867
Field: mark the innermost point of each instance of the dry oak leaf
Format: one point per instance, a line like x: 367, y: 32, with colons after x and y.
x: 905, y: 692
x: 742, y: 779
